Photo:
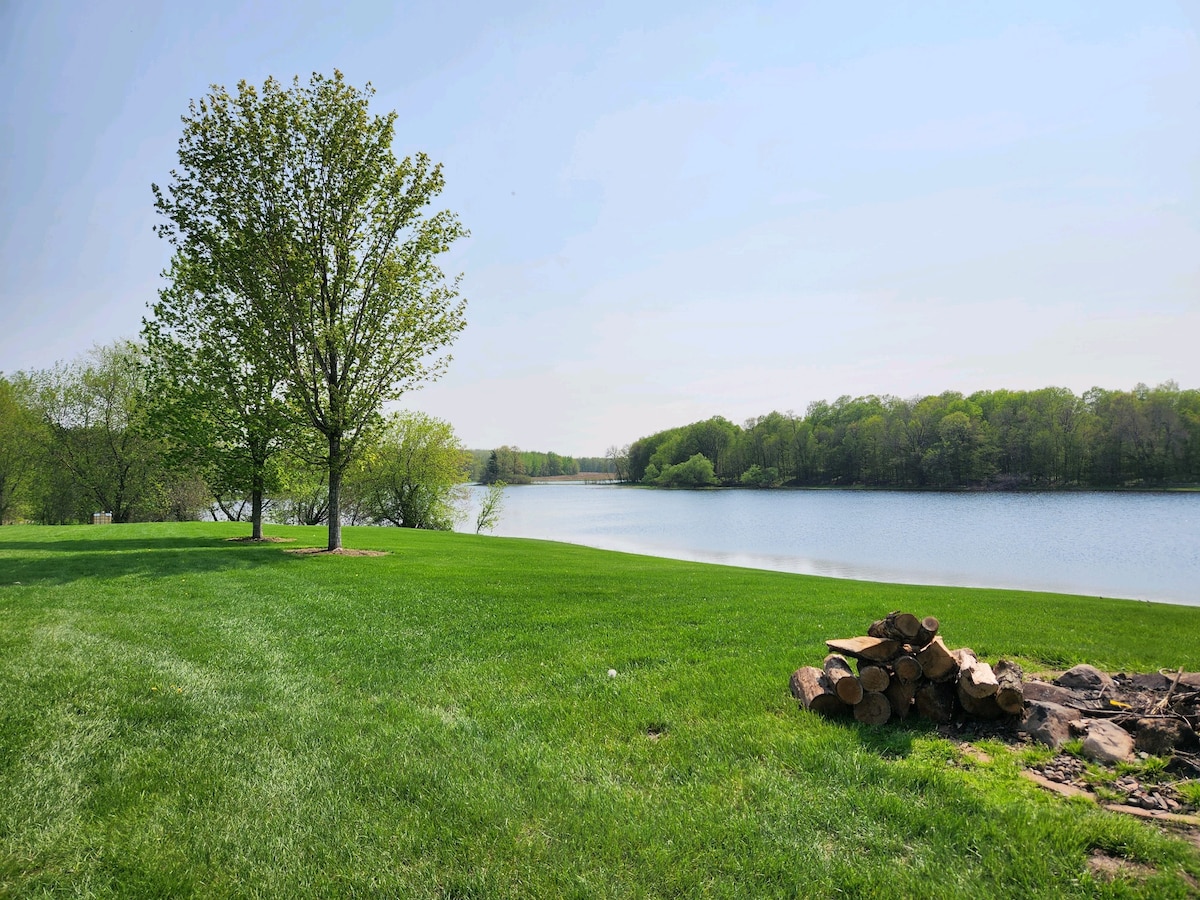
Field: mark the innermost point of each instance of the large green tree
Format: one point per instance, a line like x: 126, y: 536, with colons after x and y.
x: 218, y: 388
x: 293, y: 200
x: 414, y: 473
x: 20, y: 432
x: 96, y: 432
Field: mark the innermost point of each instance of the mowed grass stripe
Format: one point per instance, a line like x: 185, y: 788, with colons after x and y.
x: 184, y: 715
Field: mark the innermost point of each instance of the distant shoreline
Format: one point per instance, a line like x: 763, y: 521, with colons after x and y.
x: 609, y: 478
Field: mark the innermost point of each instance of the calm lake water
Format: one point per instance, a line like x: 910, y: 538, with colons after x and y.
x: 1138, y: 546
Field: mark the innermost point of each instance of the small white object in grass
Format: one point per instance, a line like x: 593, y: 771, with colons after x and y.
x: 612, y: 673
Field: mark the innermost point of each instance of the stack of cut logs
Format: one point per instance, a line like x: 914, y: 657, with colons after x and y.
x: 904, y: 666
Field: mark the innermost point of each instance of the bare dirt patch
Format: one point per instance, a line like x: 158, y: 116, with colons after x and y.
x: 1106, y: 867
x: 341, y: 551
x: 262, y: 540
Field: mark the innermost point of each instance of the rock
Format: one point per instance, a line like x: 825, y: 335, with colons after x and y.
x: 1107, y: 742
x: 1049, y: 723
x: 1150, y: 681
x: 1084, y: 677
x: 1158, y: 736
x: 1043, y: 690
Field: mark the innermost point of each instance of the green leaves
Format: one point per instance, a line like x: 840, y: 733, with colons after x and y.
x: 307, y: 246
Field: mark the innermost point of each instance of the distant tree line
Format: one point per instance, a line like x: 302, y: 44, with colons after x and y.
x: 1048, y: 438
x: 513, y: 466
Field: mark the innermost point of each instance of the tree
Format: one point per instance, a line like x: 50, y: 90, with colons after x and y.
x: 293, y: 200
x: 505, y: 464
x: 302, y: 497
x: 218, y: 387
x: 489, y: 507
x: 19, y: 441
x: 413, y: 474
x: 618, y: 460
x: 95, y: 413
x: 695, y: 471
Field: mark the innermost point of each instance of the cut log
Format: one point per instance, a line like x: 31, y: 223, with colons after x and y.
x: 874, y: 678
x: 1010, y: 696
x: 811, y: 687
x: 898, y: 626
x: 928, y: 631
x: 873, y: 709
x: 936, y: 661
x: 845, y: 685
x: 979, y: 707
x: 907, y: 668
x: 936, y: 701
x: 869, y: 648
x: 900, y: 695
x: 975, y: 677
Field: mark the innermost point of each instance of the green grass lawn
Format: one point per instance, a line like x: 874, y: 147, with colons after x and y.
x: 181, y: 715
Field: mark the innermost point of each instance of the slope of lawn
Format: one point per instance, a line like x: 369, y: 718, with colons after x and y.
x: 183, y: 715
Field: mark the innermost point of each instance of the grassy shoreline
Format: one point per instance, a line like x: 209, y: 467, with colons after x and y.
x: 185, y: 715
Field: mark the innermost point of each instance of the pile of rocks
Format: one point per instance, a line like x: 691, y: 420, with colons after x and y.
x: 1115, y: 716
x: 1129, y: 789
x: 1116, y: 720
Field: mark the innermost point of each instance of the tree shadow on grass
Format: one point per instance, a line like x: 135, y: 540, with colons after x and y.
x: 118, y: 545
x: 61, y: 562
x: 891, y: 741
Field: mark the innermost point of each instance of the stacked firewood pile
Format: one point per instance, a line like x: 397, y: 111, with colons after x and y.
x: 902, y: 666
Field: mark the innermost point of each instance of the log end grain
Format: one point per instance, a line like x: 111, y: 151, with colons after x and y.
x: 874, y: 709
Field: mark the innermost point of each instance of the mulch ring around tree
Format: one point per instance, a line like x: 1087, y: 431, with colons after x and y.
x: 341, y: 551
x: 261, y: 540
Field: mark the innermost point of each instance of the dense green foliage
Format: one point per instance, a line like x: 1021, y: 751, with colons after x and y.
x: 185, y: 716
x: 515, y: 466
x: 292, y: 206
x: 20, y: 437
x: 218, y: 387
x: 413, y: 474
x: 81, y: 438
x: 1147, y: 437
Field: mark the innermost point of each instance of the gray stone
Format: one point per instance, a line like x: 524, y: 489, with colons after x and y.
x: 1150, y: 681
x: 1084, y: 677
x: 1049, y: 723
x: 1107, y: 742
x: 1052, y: 693
x: 1158, y: 736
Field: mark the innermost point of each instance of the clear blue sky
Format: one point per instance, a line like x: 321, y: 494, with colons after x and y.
x: 678, y: 209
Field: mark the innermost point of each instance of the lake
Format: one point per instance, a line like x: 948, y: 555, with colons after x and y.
x: 1137, y: 546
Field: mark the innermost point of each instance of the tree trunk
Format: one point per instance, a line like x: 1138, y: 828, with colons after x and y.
x: 975, y: 677
x: 256, y: 512
x: 927, y: 632
x: 898, y: 626
x: 874, y: 678
x: 869, y: 648
x: 936, y: 661
x: 1011, y: 694
x: 845, y: 685
x: 336, y: 465
x: 900, y: 695
x: 935, y: 701
x: 907, y: 668
x: 979, y: 707
x: 811, y: 687
x: 874, y: 709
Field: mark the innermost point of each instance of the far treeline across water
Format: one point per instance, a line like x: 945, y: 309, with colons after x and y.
x: 515, y: 466
x: 1048, y: 438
